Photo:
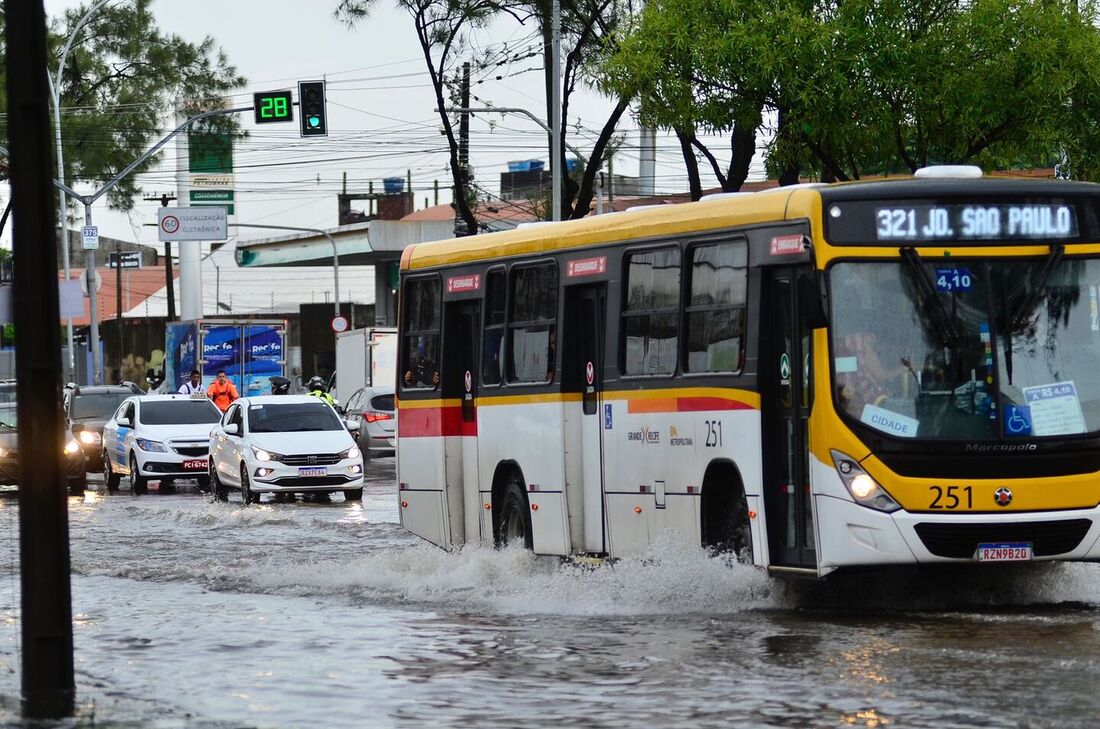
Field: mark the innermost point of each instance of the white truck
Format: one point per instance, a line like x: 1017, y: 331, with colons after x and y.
x: 365, y: 358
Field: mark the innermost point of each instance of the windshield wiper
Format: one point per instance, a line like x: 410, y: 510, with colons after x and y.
x: 949, y: 333
x: 1022, y: 313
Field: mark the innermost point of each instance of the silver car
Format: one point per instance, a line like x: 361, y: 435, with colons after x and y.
x: 373, y: 409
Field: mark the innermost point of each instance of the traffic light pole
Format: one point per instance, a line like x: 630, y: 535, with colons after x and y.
x: 88, y: 200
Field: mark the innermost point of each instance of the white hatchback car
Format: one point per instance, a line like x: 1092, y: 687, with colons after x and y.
x: 158, y: 437
x: 284, y: 444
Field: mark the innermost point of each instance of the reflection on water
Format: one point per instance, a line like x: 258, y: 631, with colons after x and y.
x: 328, y: 614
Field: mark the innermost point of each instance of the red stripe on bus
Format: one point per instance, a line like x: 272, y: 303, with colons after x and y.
x: 433, y: 422
x: 685, y: 405
x: 695, y: 404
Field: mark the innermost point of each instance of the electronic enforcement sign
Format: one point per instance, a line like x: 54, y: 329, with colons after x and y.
x: 273, y: 106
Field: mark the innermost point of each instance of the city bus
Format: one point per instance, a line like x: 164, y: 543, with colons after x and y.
x: 815, y: 377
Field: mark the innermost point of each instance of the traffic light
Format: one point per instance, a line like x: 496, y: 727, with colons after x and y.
x: 311, y: 100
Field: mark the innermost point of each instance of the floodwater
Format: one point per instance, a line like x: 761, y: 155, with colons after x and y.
x: 192, y: 613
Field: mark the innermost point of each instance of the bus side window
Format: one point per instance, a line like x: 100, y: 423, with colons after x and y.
x: 651, y: 312
x: 531, y: 327
x: 716, y: 308
x: 420, y: 348
x: 494, y: 328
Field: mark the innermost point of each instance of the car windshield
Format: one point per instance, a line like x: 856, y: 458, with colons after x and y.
x: 90, y: 406
x: 957, y: 349
x: 179, y: 412
x: 8, y: 416
x: 292, y: 417
x: 8, y: 394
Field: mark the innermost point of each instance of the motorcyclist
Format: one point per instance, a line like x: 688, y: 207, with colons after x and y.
x: 280, y: 385
x: 317, y: 388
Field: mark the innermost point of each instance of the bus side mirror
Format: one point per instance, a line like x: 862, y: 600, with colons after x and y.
x: 811, y: 301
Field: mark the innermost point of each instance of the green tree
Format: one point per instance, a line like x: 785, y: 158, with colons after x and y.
x: 866, y: 87
x: 444, y: 29
x: 122, y: 78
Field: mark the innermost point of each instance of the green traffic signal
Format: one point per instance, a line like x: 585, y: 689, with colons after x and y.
x: 311, y: 97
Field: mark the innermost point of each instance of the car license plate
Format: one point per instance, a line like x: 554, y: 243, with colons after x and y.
x: 313, y: 471
x: 1004, y: 552
x: 195, y: 465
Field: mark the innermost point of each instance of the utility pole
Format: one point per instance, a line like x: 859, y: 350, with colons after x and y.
x: 118, y: 303
x: 46, y: 600
x: 169, y: 279
x: 555, y: 108
x: 190, y: 251
x: 464, y: 148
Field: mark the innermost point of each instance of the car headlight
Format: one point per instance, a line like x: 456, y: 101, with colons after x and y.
x: 72, y: 448
x: 151, y: 445
x: 265, y: 456
x: 89, y: 437
x: 864, y: 489
x: 4, y: 452
x: 352, y: 452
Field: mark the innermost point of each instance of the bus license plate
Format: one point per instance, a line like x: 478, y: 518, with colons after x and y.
x: 196, y: 465
x: 313, y: 471
x: 1004, y: 552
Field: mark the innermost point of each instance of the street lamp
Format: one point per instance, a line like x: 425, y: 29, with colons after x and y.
x: 557, y: 181
x: 318, y: 231
x: 63, y: 232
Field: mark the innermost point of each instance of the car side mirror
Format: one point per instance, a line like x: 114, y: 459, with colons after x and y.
x: 352, y: 426
x: 126, y: 422
x: 232, y: 429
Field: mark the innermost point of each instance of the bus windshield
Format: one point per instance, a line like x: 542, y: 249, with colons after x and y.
x: 966, y: 349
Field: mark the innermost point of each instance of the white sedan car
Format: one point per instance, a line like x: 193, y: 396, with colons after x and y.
x: 284, y: 444
x: 158, y: 437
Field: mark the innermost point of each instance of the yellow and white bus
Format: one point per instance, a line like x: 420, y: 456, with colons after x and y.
x: 887, y: 372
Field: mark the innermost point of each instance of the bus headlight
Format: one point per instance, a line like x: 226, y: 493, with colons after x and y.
x: 864, y: 489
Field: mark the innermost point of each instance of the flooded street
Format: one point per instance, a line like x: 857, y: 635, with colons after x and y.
x: 189, y: 612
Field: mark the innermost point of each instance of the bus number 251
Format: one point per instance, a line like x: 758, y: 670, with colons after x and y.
x: 951, y: 497
x: 714, y: 434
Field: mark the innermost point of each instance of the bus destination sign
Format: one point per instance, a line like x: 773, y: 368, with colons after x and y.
x: 885, y: 221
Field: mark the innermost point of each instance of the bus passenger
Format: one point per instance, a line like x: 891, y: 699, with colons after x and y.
x: 422, y: 371
x: 864, y: 380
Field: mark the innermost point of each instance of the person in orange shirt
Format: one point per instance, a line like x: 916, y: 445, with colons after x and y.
x: 222, y: 391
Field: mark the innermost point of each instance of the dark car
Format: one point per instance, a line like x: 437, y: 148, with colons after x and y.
x: 75, y: 474
x: 87, y: 410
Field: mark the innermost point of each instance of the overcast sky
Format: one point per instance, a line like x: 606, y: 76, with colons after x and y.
x: 381, y: 116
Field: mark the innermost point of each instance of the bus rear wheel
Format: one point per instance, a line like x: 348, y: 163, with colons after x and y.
x: 515, y: 517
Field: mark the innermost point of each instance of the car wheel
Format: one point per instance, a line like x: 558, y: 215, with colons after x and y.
x: 77, y: 485
x: 353, y: 495
x: 138, y: 483
x: 221, y: 492
x: 110, y: 478
x: 515, y: 517
x: 247, y: 497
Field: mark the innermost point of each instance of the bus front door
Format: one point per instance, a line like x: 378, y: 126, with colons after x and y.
x: 784, y: 376
x: 458, y: 385
x: 582, y: 375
